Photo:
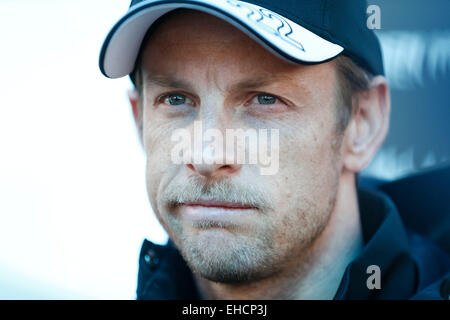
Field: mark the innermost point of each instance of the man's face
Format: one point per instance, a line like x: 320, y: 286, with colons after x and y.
x: 199, y: 68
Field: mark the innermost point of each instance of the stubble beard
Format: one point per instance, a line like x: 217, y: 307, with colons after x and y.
x: 236, y: 256
x: 227, y: 254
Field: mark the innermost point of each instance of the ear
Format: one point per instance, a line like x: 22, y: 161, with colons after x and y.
x: 368, y: 126
x: 133, y: 96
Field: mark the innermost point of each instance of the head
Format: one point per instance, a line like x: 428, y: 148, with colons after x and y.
x: 331, y: 119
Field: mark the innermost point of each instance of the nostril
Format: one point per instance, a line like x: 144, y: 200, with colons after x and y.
x: 226, y: 167
x: 216, y: 170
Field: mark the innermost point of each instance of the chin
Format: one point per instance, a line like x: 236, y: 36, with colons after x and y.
x: 220, y: 255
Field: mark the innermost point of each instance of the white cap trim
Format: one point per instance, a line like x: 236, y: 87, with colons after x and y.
x: 275, y: 32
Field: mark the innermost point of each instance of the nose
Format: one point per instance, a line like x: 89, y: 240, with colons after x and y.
x: 212, y: 164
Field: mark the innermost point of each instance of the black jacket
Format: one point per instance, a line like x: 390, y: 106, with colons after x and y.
x: 412, y: 265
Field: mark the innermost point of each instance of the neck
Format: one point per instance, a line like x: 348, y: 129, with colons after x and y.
x: 317, y: 273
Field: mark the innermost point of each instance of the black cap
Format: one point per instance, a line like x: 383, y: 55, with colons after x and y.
x: 301, y: 31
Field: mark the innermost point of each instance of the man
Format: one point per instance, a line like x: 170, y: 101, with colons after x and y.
x: 311, y: 74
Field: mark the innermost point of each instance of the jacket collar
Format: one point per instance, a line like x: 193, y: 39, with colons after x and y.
x: 164, y: 275
x: 385, y: 246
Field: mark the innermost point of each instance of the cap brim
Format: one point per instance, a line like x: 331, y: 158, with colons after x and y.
x: 280, y: 35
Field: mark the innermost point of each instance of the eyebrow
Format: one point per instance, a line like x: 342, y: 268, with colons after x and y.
x: 168, y: 82
x: 257, y: 81
x: 253, y: 82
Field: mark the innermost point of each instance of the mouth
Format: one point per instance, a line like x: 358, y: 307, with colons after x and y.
x: 219, y: 204
x: 220, y: 211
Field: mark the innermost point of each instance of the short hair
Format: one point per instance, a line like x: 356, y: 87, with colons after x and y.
x: 351, y: 80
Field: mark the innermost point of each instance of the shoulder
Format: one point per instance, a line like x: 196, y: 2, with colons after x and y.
x: 434, y: 268
x: 423, y: 203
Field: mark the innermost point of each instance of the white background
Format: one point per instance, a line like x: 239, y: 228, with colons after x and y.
x: 73, y: 203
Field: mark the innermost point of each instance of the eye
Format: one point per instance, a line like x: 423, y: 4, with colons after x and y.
x: 264, y: 103
x: 175, y: 99
x: 264, y: 98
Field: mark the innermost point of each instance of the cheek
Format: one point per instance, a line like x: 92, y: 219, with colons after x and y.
x: 307, y: 154
x: 157, y: 151
x: 157, y: 147
x: 156, y: 132
x: 307, y: 180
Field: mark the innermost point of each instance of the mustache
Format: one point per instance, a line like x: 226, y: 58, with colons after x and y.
x: 197, y: 189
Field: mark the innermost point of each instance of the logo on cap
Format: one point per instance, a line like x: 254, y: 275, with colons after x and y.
x: 268, y: 21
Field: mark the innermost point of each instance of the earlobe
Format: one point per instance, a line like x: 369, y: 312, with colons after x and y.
x: 133, y: 97
x: 368, y: 126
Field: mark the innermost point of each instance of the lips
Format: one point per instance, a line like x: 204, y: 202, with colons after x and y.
x: 219, y: 204
x: 213, y: 210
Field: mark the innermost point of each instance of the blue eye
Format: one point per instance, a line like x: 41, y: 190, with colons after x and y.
x: 176, y: 99
x: 266, y: 99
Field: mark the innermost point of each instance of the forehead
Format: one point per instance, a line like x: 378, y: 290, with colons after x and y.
x: 188, y: 43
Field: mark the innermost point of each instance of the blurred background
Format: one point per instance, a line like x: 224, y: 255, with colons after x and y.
x: 73, y: 203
